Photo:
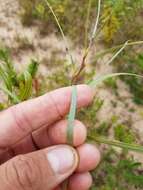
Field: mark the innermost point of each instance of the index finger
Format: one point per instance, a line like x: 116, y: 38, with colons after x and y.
x: 20, y: 120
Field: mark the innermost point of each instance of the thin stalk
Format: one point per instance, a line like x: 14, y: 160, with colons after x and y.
x: 102, y: 53
x: 87, y: 23
x: 96, y: 25
x: 117, y: 53
x: 82, y: 66
x: 61, y: 31
x: 93, y: 83
x: 131, y: 147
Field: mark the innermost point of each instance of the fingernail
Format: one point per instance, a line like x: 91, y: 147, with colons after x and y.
x: 62, y: 159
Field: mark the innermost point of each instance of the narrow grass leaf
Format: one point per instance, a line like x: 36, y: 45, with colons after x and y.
x: 97, y: 21
x: 102, y: 78
x: 104, y: 52
x: 25, y: 91
x: 94, y: 84
x: 71, y: 116
x: 5, y: 78
x: 13, y: 96
x: 94, y: 30
x: 61, y: 30
x: 33, y: 67
x: 7, y: 64
x: 131, y: 147
x: 117, y: 53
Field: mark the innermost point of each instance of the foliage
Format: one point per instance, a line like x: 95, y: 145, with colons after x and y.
x: 119, y: 172
x: 71, y: 13
x: 116, y: 171
x: 119, y: 18
x: 110, y: 22
x: 111, y: 82
x: 124, y: 134
x: 88, y: 116
x: 17, y: 86
x: 133, y: 63
x: 108, y: 173
x: 59, y: 77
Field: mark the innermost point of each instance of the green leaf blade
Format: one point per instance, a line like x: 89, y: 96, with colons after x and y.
x: 71, y: 116
x: 25, y: 91
x: 128, y: 146
x: 102, y: 78
x: 12, y: 95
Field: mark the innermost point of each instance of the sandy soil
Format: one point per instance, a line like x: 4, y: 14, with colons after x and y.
x: 27, y: 43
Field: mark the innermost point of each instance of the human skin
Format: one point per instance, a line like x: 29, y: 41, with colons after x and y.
x: 33, y: 150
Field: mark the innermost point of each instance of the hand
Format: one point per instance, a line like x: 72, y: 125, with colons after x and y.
x: 33, y: 150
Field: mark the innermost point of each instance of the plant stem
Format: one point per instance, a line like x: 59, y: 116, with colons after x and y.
x: 61, y: 31
x: 95, y: 26
x: 87, y: 23
x: 82, y: 66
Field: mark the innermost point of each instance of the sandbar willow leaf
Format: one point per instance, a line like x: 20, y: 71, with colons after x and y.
x: 71, y: 116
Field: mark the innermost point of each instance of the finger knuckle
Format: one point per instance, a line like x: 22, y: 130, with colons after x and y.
x: 26, y: 172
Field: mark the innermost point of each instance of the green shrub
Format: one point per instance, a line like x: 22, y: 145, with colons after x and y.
x: 119, y: 172
x: 116, y: 171
x: 133, y: 63
x: 120, y: 20
x: 124, y: 134
x: 18, y: 87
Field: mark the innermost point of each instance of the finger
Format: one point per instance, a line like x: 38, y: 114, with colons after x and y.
x: 57, y: 188
x: 57, y: 134
x: 89, y: 157
x: 44, y: 137
x: 26, y: 145
x: 44, y: 169
x: 20, y: 120
x: 82, y: 181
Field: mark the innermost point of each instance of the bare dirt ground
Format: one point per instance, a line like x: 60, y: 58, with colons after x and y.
x: 27, y: 43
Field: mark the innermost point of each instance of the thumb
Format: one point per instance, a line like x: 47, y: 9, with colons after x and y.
x: 44, y: 169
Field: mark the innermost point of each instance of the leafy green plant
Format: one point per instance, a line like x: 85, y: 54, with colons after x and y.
x: 119, y: 18
x: 118, y: 171
x: 19, y: 88
x: 124, y: 134
x: 133, y: 63
x: 111, y: 82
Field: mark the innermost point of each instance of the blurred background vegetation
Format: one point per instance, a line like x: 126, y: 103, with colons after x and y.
x: 120, y: 21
